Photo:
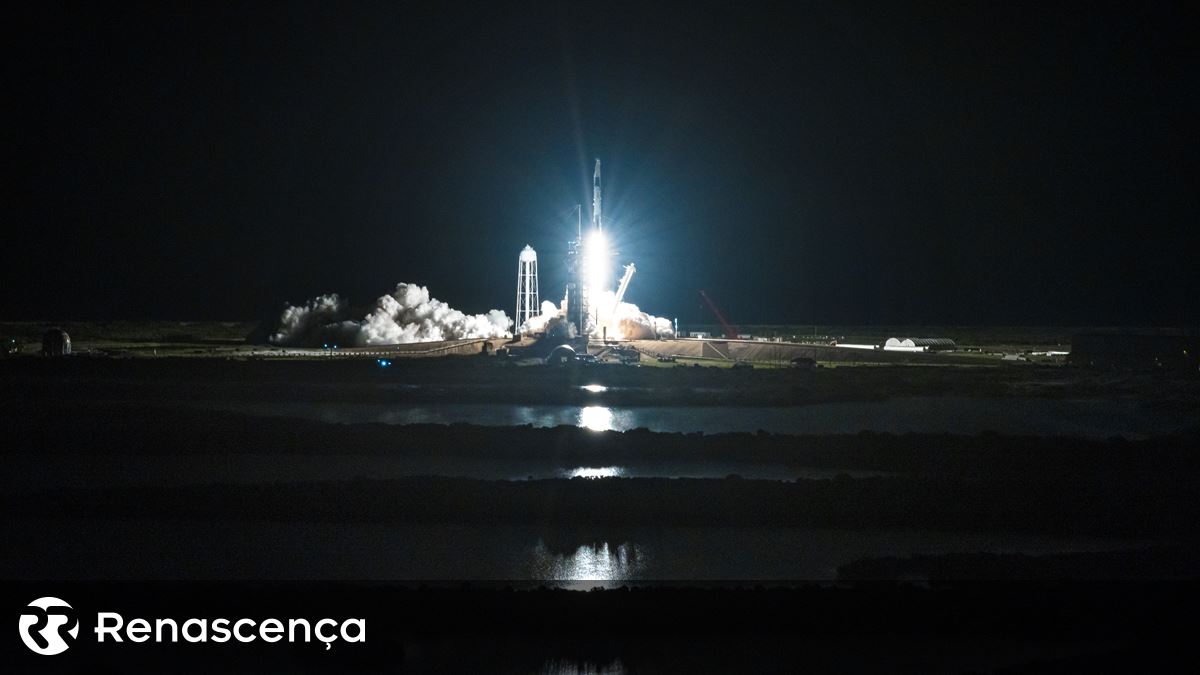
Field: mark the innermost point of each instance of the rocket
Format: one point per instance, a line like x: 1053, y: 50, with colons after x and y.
x: 597, y: 223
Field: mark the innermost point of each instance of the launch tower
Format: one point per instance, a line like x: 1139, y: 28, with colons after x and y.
x: 587, y: 258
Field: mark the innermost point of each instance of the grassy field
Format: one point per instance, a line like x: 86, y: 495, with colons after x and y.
x: 1014, y: 338
x: 233, y: 339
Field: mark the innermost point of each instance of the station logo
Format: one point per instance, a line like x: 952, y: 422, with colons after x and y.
x: 49, y: 626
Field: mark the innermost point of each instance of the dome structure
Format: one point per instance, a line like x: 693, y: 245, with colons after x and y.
x: 56, y: 342
x: 561, y: 355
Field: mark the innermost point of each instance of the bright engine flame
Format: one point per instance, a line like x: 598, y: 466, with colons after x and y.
x: 596, y: 262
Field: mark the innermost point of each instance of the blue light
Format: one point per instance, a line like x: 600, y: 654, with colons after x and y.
x: 383, y: 363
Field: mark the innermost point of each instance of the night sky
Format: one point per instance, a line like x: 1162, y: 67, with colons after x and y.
x: 931, y: 163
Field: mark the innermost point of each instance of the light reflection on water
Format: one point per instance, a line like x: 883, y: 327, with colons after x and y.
x: 595, y: 472
x: 589, y: 562
x: 594, y: 388
x: 596, y: 418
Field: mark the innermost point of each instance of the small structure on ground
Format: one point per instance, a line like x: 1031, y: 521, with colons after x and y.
x: 56, y: 342
x: 561, y: 355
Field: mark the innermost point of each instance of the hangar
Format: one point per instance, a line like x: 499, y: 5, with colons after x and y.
x: 920, y: 344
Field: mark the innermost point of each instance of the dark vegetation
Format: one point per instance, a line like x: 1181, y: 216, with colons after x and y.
x: 1159, y: 562
x: 1137, y: 509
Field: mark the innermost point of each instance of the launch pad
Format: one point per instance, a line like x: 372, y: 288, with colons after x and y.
x: 591, y: 308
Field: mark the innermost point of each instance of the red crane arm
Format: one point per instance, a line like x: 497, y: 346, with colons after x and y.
x: 730, y: 331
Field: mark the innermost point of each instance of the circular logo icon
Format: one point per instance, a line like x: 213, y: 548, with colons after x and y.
x: 49, y: 626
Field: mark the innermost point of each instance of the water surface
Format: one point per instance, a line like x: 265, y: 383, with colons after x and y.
x: 1091, y: 418
x: 143, y: 548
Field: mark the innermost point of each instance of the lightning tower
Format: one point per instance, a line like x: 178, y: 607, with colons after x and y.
x: 527, y: 286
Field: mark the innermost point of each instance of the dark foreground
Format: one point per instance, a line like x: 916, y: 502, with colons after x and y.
x: 1126, y: 508
x: 917, y: 553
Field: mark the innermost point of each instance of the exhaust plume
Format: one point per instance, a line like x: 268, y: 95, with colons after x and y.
x: 552, y: 322
x: 624, y: 321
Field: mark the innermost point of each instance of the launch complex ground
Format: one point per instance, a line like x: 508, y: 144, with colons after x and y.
x: 990, y: 362
x: 212, y: 339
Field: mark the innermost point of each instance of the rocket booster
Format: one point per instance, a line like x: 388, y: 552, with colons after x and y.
x: 597, y: 223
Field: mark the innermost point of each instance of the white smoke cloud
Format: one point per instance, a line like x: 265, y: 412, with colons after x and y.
x: 624, y: 322
x: 313, y: 323
x: 634, y: 324
x: 627, y: 322
x: 410, y: 314
x: 552, y: 322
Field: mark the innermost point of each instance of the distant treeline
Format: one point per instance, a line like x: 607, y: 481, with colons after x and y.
x: 132, y: 331
x: 1133, y: 507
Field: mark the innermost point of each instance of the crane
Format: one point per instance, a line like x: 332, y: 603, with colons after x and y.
x: 730, y: 330
x: 629, y: 270
x: 621, y: 288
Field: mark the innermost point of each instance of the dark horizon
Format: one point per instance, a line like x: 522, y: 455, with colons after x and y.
x: 887, y: 165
